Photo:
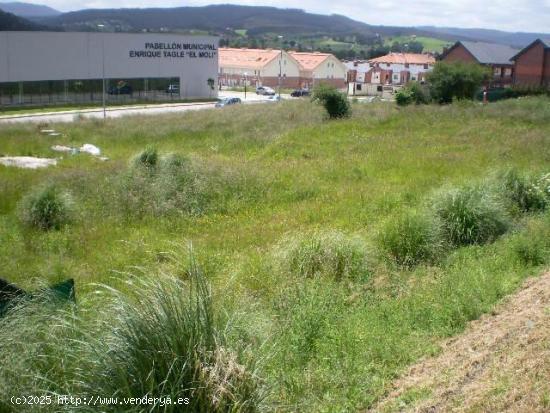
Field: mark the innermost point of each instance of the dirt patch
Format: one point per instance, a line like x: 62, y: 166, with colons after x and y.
x: 29, y: 162
x: 501, y: 363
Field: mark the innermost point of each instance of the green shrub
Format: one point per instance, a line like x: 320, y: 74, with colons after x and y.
x: 161, y: 338
x: 46, y: 208
x: 413, y: 92
x: 148, y: 158
x: 335, y: 103
x: 532, y: 246
x: 525, y: 193
x: 403, y: 97
x: 322, y: 253
x: 456, y: 80
x: 470, y: 216
x: 411, y: 238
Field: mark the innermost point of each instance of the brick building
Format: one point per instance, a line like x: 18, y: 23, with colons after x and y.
x: 532, y: 65
x: 496, y: 56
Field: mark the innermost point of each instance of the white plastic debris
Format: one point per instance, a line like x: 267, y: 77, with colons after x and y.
x: 91, y: 149
x: 61, y: 148
x: 47, y: 130
x: 29, y: 162
x: 54, y: 134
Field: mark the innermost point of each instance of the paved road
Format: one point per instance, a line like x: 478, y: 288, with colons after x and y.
x: 116, y: 112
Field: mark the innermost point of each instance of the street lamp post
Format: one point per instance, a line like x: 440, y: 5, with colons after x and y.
x: 245, y: 82
x: 280, y: 65
x: 103, y: 97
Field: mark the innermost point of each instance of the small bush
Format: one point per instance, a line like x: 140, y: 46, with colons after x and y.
x: 46, y: 208
x: 470, y: 216
x: 525, y: 193
x: 335, y: 103
x: 532, y: 246
x: 456, y: 80
x: 326, y: 254
x: 403, y: 97
x: 148, y: 158
x: 411, y: 238
x: 411, y: 93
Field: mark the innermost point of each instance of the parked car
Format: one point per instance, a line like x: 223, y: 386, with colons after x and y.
x: 173, y: 89
x: 227, y: 101
x: 264, y: 90
x: 299, y: 93
x: 122, y: 88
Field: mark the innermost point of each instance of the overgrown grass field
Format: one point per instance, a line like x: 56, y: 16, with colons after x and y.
x: 327, y: 255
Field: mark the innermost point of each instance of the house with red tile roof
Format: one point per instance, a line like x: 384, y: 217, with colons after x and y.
x: 387, y: 73
x: 400, y: 68
x: 318, y: 67
x: 260, y: 67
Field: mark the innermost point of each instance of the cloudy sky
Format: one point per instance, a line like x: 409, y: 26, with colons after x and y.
x: 511, y: 15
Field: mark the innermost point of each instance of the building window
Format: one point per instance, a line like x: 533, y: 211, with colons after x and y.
x: 387, y: 65
x: 407, y: 65
x: 425, y: 66
x: 497, y: 71
x: 508, y: 71
x: 358, y: 87
x: 413, y: 77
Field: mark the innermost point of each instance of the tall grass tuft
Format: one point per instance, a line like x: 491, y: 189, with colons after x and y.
x: 163, y: 185
x: 163, y: 339
x: 322, y: 253
x: 532, y: 246
x: 46, y: 208
x: 526, y: 194
x: 148, y: 158
x: 471, y: 215
x: 411, y: 238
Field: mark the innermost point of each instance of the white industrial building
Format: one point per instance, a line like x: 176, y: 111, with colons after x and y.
x: 62, y: 56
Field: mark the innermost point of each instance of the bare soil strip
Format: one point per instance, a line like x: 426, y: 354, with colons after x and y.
x: 501, y: 363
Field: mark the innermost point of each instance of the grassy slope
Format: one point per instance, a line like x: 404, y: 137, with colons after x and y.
x: 335, y: 346
x: 431, y: 44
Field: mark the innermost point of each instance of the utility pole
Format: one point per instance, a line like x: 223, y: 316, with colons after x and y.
x: 280, y: 65
x: 103, y: 97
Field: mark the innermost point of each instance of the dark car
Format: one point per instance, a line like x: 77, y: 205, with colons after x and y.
x: 227, y: 101
x: 299, y: 93
x: 121, y: 89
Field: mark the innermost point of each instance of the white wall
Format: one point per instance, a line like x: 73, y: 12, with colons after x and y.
x: 34, y: 56
x: 290, y: 69
x: 331, y: 68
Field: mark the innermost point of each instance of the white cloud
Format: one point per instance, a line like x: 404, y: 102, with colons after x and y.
x: 511, y: 15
